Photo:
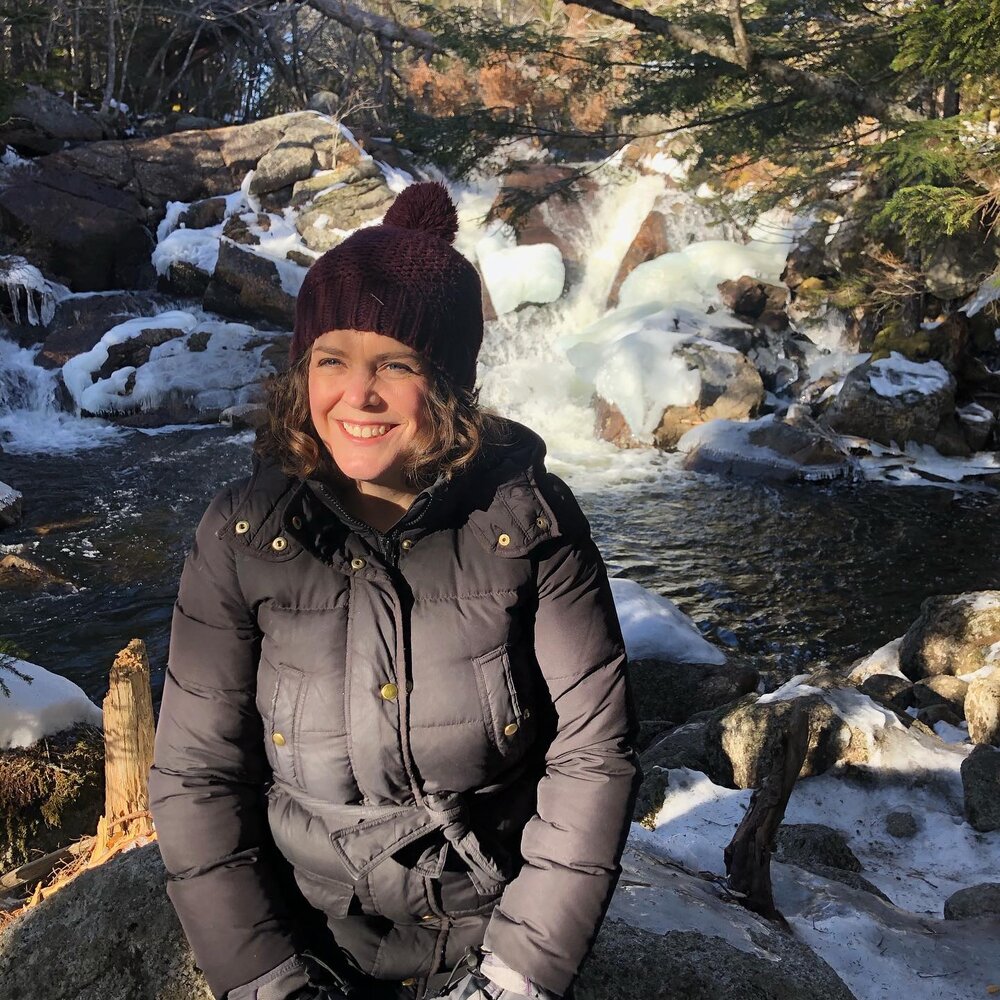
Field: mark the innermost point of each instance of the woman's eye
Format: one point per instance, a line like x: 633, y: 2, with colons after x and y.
x: 328, y: 362
x: 399, y: 366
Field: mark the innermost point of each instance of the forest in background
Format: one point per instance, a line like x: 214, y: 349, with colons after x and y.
x: 783, y: 99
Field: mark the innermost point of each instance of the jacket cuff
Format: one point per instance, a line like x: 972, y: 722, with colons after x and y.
x: 498, y: 972
x: 281, y: 983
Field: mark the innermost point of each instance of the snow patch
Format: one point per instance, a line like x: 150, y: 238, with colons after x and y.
x: 898, y: 376
x: 516, y: 275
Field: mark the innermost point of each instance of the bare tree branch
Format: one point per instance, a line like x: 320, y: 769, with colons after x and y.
x: 385, y: 30
x: 740, y: 38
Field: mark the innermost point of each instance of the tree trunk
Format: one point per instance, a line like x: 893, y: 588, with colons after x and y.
x: 748, y: 856
x: 128, y: 750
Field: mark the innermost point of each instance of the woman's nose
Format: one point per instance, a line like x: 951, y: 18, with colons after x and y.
x: 360, y: 390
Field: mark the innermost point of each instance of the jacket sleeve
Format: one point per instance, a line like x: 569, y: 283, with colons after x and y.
x: 549, y: 915
x: 209, y: 774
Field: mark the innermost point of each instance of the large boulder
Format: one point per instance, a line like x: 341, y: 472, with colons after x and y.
x: 81, y: 321
x: 729, y: 388
x: 676, y: 691
x: 982, y: 708
x: 894, y: 401
x: 87, y: 233
x: 110, y: 934
x: 957, y: 265
x: 339, y: 200
x: 649, y: 242
x: 981, y: 787
x: 247, y: 286
x: 756, y: 301
x: 767, y: 448
x: 37, y: 121
x: 953, y: 635
x: 51, y: 793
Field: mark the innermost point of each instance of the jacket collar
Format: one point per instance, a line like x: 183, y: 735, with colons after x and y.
x: 500, y: 498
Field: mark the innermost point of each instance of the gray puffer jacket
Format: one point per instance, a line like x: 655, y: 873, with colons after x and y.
x: 432, y: 726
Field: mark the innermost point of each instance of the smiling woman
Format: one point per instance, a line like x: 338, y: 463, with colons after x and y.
x: 394, y: 758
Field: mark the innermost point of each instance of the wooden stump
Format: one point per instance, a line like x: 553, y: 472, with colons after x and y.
x: 128, y: 742
x: 748, y: 856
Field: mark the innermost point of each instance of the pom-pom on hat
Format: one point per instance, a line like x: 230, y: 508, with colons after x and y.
x: 403, y: 279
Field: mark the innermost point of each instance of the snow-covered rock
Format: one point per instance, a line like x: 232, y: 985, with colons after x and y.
x: 766, y: 448
x: 895, y: 401
x: 10, y: 506
x: 38, y: 703
x: 955, y: 634
x: 517, y: 275
x: 655, y: 628
x: 32, y: 299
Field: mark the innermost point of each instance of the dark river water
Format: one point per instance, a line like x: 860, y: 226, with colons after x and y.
x: 790, y: 576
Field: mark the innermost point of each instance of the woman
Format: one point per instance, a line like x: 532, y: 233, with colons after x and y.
x: 396, y: 704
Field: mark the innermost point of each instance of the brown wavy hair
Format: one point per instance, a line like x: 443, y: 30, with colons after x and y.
x: 456, y: 430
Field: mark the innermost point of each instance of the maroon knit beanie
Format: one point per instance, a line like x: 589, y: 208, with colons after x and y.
x: 403, y: 279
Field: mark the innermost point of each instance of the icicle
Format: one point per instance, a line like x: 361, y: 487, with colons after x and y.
x: 39, y: 298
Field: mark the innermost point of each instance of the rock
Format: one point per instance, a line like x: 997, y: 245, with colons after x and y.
x: 810, y: 260
x: 292, y: 159
x: 203, y: 214
x: 248, y: 287
x: 342, y: 208
x: 977, y: 901
x: 978, y: 424
x: 39, y: 122
x: 941, y: 689
x: 185, y: 279
x: 649, y: 242
x: 889, y: 690
x: 90, y: 235
x: 676, y: 691
x: 684, y: 746
x: 81, y: 321
x: 982, y: 708
x: 853, y: 879
x: 650, y: 730
x: 957, y: 265
x: 765, y: 448
x: 119, y: 927
x: 803, y: 844
x: 20, y: 573
x: 51, y: 793
x: 743, y: 741
x: 945, y: 341
x: 237, y: 227
x: 244, y: 416
x: 752, y: 299
x: 135, y: 351
x: 939, y: 712
x: 304, y: 191
x: 10, y: 506
x: 893, y: 401
x: 901, y: 824
x: 953, y: 635
x: 649, y: 798
x: 981, y: 785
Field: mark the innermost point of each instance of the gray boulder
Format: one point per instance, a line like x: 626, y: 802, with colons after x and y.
x: 981, y: 787
x: 982, y: 709
x: 889, y: 690
x: 873, y: 403
x: 683, y: 746
x: 804, y: 844
x: 953, y: 635
x: 341, y: 205
x: 248, y: 287
x: 902, y: 824
x: 676, y: 691
x: 37, y: 121
x: 941, y: 689
x: 977, y: 901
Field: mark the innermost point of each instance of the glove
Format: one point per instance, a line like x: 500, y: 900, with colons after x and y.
x: 288, y: 981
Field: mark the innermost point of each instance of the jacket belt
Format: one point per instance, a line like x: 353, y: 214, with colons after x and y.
x: 364, y: 836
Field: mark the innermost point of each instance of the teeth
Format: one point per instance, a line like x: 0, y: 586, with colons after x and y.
x: 365, y: 430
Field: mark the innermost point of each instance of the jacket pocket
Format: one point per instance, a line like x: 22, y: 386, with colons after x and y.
x: 280, y: 693
x: 504, y: 690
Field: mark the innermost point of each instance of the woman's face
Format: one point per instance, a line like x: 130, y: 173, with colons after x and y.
x: 366, y: 398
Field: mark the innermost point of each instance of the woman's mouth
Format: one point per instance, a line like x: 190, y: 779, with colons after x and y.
x: 361, y: 432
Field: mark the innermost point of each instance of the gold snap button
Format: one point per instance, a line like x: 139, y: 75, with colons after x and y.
x: 406, y: 544
x: 358, y: 563
x: 296, y: 522
x: 542, y: 522
x: 278, y: 740
x: 242, y: 527
x: 427, y: 916
x: 389, y: 691
x: 408, y: 982
x: 510, y: 729
x: 504, y: 540
x: 279, y: 544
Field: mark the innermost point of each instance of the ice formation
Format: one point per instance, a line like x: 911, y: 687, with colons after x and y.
x: 32, y: 299
x: 519, y: 274
x: 896, y: 375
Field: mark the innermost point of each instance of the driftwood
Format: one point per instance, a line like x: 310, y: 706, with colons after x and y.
x: 748, y: 856
x: 128, y: 750
x: 25, y: 877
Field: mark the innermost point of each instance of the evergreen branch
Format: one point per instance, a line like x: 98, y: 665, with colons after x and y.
x: 823, y: 87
